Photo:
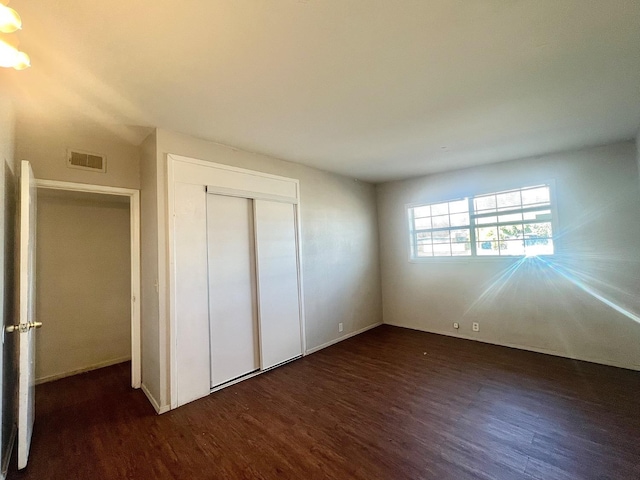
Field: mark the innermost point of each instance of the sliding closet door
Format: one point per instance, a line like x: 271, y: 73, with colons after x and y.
x: 232, y: 291
x: 280, y: 338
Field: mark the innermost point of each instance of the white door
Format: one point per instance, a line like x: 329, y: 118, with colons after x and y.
x: 27, y: 311
x: 191, y: 294
x: 278, y: 300
x: 233, y: 325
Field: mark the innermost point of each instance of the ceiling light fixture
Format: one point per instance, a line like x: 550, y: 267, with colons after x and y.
x: 10, y: 21
x: 10, y: 56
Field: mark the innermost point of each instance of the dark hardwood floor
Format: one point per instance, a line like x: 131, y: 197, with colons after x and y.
x: 388, y: 404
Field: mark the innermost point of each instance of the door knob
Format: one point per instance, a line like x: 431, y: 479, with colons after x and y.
x: 23, y: 327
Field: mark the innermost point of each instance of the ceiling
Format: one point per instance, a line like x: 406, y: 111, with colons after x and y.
x: 376, y: 90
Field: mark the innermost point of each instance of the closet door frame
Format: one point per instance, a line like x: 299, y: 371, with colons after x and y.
x: 209, y: 177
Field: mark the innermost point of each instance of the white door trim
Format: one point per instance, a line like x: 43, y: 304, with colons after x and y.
x: 134, y: 208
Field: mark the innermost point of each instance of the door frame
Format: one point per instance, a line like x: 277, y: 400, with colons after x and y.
x: 134, y: 218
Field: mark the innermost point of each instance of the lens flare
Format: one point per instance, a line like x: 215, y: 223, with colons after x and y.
x: 574, y: 278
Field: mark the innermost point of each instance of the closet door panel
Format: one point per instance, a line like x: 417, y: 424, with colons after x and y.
x: 191, y: 294
x: 232, y: 295
x: 277, y: 274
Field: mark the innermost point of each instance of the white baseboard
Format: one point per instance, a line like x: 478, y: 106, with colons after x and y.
x: 96, y: 366
x: 154, y: 403
x: 527, y: 348
x: 340, y: 339
x: 6, y: 458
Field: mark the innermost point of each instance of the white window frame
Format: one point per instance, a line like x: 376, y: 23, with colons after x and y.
x: 474, y: 257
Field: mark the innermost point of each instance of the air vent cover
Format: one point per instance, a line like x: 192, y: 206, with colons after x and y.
x: 86, y: 161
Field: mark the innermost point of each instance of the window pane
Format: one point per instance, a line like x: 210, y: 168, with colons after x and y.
x: 510, y: 232
x: 441, y: 221
x: 539, y: 215
x: 425, y: 251
x: 459, y: 219
x: 460, y: 235
x: 512, y: 247
x: 512, y: 217
x: 441, y: 236
x: 535, y: 195
x: 537, y: 230
x: 487, y: 234
x: 487, y: 248
x: 423, y: 236
x: 459, y: 206
x: 540, y: 247
x: 424, y: 211
x: 487, y: 203
x: 508, y: 200
x: 422, y: 223
x: 486, y: 220
x: 537, y: 239
x: 461, y: 249
x: 442, y: 250
x: 440, y: 208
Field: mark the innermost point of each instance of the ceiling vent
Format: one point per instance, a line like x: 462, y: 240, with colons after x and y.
x: 86, y: 161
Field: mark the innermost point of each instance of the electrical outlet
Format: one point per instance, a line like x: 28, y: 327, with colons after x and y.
x: 456, y: 325
x: 340, y: 327
x: 475, y: 326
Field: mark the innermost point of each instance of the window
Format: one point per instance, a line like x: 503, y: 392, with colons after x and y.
x: 514, y: 222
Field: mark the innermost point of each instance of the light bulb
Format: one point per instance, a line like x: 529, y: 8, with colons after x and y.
x: 11, y: 57
x: 22, y: 61
x: 10, y: 21
x: 8, y: 54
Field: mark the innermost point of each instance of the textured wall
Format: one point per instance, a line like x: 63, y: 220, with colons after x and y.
x: 587, y: 306
x: 83, y: 280
x: 339, y: 243
x: 45, y: 145
x: 150, y: 327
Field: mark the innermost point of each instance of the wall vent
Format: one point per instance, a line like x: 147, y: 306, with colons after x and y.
x: 86, y: 161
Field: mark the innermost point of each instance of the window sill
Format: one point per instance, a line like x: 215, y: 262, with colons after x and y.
x: 476, y: 259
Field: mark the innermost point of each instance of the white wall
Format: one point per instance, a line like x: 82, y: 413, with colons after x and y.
x: 150, y: 326
x: 638, y: 149
x: 8, y: 177
x: 45, y: 145
x: 83, y: 275
x: 536, y: 308
x: 339, y: 243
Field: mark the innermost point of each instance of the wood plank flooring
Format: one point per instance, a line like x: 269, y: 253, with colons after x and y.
x: 391, y: 403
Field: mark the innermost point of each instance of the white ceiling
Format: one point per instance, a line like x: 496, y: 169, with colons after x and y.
x: 372, y: 89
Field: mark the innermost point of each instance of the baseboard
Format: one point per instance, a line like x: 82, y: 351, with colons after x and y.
x: 527, y: 348
x: 154, y: 403
x: 340, y: 339
x: 6, y: 458
x: 96, y: 366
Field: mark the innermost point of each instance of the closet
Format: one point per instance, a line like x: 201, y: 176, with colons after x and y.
x: 234, y: 272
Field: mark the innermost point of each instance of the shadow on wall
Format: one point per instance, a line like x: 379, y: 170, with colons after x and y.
x: 9, y: 350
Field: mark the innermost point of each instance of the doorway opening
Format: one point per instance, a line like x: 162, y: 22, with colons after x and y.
x: 89, y: 279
